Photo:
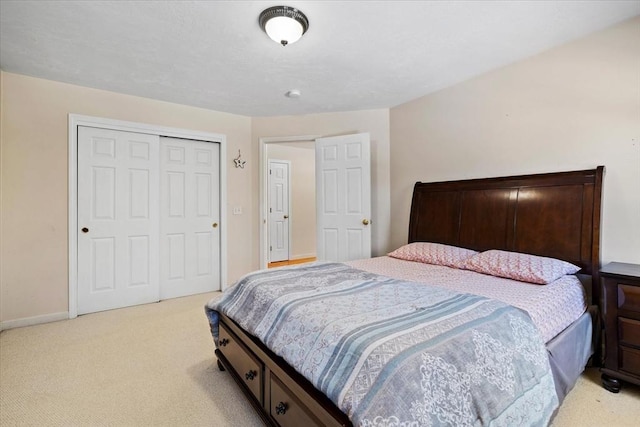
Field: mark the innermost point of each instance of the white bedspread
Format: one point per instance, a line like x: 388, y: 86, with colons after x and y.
x: 552, y: 307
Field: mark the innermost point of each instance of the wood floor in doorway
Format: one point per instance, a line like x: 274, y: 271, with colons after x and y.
x: 291, y: 262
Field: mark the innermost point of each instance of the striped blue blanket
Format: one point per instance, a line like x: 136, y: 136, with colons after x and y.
x: 394, y: 353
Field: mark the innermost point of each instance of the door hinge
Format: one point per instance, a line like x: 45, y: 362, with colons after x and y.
x: 270, y: 210
x: 271, y: 248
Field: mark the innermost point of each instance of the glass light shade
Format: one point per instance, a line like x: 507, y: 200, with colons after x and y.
x: 283, y: 29
x: 283, y: 24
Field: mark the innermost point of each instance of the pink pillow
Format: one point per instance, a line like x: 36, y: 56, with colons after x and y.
x: 518, y: 266
x: 433, y: 253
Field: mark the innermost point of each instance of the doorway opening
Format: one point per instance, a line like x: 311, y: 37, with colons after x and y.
x: 300, y: 152
x: 342, y: 191
x: 290, y: 201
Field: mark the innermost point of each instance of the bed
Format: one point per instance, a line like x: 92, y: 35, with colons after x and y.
x: 313, y: 371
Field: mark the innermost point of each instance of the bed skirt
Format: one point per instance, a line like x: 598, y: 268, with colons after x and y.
x: 570, y: 351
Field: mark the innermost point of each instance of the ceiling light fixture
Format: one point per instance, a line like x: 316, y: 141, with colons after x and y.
x: 283, y: 24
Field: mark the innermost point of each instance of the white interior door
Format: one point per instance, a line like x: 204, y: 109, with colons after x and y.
x: 343, y: 197
x: 189, y: 217
x: 279, y: 210
x: 118, y: 219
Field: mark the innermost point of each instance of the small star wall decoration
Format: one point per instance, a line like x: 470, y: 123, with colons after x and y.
x: 239, y: 161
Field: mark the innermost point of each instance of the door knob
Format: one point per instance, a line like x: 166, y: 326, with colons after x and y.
x: 214, y: 225
x: 365, y: 221
x: 85, y: 230
x: 286, y: 217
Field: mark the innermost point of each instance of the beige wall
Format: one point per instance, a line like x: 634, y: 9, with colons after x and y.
x: 573, y: 107
x: 34, y: 277
x: 302, y: 217
x: 33, y: 145
x: 376, y: 122
x: 570, y: 108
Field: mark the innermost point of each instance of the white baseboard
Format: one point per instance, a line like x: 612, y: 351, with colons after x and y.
x: 35, y: 320
x: 302, y: 256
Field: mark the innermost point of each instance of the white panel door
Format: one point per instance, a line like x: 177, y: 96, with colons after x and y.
x: 189, y: 217
x: 118, y: 219
x: 279, y: 210
x: 343, y: 196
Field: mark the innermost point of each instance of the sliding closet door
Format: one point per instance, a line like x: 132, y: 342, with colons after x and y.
x: 148, y: 218
x: 189, y: 217
x: 118, y: 221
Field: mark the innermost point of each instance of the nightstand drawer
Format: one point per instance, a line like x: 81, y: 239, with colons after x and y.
x: 630, y: 360
x: 621, y: 309
x: 629, y: 332
x: 629, y: 298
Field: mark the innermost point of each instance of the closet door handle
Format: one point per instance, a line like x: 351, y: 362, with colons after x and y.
x: 85, y: 230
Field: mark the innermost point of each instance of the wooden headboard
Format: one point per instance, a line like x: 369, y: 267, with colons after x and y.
x: 553, y: 214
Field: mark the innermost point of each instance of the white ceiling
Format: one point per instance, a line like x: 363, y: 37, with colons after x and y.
x: 356, y: 55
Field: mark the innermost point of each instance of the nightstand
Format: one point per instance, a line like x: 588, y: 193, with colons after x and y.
x: 621, y: 304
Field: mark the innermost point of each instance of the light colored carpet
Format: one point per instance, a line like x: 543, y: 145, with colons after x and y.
x: 154, y: 365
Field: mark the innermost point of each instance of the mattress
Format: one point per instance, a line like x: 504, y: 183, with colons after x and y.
x: 552, y: 307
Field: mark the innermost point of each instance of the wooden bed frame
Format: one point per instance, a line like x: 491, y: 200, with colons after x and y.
x: 554, y: 214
